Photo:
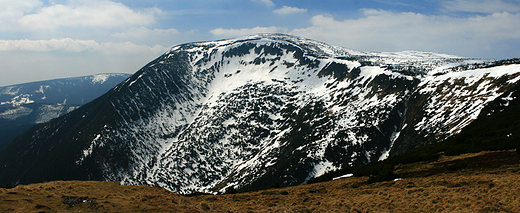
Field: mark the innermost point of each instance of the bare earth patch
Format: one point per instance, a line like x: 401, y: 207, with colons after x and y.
x: 478, y: 187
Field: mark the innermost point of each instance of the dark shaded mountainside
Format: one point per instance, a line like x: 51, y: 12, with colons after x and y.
x: 245, y: 113
x: 24, y: 105
x: 458, y: 173
x: 496, y: 131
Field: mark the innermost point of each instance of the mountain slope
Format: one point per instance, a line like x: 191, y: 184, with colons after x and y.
x: 248, y: 112
x: 483, y: 188
x: 23, y: 105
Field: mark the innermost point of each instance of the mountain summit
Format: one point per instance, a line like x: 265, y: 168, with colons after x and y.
x: 249, y: 112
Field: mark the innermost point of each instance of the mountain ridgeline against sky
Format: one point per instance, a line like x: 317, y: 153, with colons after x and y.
x: 246, y: 113
x: 23, y: 105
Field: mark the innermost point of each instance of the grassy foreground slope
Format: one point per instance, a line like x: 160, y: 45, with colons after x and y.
x: 489, y: 182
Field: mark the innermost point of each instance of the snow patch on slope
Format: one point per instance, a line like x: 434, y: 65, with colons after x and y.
x: 13, y: 114
x: 457, y: 98
x: 18, y: 100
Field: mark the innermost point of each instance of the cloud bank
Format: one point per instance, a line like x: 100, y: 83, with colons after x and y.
x: 73, y: 45
x: 27, y: 15
x: 289, y: 10
x: 268, y: 3
x: 381, y: 30
x: 220, y: 32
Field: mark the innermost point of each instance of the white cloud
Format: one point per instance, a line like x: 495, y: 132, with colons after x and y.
x: 268, y: 3
x: 73, y: 45
x: 65, y: 44
x: 482, y: 6
x: 246, y: 31
x: 131, y: 48
x: 13, y: 8
x: 12, y: 11
x: 143, y: 32
x: 26, y: 66
x: 33, y: 60
x: 31, y: 15
x: 143, y: 35
x: 289, y: 10
x: 380, y: 30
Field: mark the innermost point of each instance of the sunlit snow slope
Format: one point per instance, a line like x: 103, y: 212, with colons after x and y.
x: 249, y: 112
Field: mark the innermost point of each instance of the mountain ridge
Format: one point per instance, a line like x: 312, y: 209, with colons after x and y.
x: 245, y: 112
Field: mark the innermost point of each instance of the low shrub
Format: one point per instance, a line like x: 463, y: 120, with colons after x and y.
x: 7, y: 186
x: 457, y: 166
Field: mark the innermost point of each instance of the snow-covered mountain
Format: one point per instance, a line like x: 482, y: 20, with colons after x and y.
x: 23, y: 105
x: 249, y: 112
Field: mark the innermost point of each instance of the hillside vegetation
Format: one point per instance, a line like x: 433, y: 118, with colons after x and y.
x: 488, y: 182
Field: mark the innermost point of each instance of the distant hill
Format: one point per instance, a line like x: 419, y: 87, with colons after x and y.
x: 23, y: 105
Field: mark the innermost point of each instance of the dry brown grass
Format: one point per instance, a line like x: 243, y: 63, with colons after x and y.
x: 489, y: 189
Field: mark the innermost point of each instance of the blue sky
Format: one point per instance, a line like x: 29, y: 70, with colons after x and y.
x: 47, y: 39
